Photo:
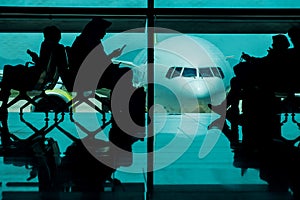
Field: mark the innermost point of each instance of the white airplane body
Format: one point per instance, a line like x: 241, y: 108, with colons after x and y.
x: 189, y: 73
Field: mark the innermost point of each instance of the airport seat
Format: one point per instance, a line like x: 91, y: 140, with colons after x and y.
x: 90, y: 98
x: 46, y: 81
x: 98, y: 100
x: 262, y: 133
x: 290, y: 105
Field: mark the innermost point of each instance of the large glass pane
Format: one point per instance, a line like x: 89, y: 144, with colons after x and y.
x: 159, y: 4
x: 15, y: 45
x: 228, y: 4
x: 13, y: 52
x: 183, y: 154
x: 186, y: 151
x: 71, y: 3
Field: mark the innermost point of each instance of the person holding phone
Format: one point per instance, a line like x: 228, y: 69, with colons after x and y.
x: 83, y: 47
x: 90, y: 68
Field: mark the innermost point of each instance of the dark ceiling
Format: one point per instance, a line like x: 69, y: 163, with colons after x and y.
x: 185, y: 20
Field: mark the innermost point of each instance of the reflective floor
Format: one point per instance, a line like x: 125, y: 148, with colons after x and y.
x: 188, y: 164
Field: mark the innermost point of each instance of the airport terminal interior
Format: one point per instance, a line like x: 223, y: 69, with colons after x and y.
x: 61, y: 140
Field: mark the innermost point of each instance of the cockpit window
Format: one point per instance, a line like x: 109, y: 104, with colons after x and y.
x: 170, y: 71
x: 189, y: 72
x: 205, y: 72
x: 221, y: 72
x: 177, y: 72
x: 218, y: 72
x: 174, y: 72
x: 192, y: 72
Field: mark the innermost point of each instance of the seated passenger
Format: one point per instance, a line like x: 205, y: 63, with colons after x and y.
x: 259, y: 69
x: 278, y: 160
x: 88, y: 41
x: 90, y: 68
x: 21, y: 77
x: 25, y: 78
x: 255, y: 72
x: 292, y: 67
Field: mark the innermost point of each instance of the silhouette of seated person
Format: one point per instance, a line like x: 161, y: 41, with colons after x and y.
x: 254, y: 72
x: 291, y: 73
x: 263, y: 146
x: 89, y: 62
x: 25, y: 78
x: 89, y: 40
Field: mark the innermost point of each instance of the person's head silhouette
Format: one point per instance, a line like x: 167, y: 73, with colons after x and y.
x: 52, y: 33
x: 280, y: 42
x: 294, y: 34
x: 96, y: 28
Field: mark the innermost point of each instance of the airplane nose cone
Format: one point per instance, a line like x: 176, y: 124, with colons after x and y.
x: 196, y: 89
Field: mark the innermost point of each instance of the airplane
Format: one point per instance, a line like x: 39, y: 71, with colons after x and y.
x: 189, y: 73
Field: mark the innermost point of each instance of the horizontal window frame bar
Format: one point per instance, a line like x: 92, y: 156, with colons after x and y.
x: 185, y: 20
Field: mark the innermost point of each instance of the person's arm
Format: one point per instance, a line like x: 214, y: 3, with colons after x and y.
x: 45, y: 53
x: 34, y: 56
x: 247, y: 57
x: 116, y: 52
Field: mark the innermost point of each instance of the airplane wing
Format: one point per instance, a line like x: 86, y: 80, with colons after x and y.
x: 139, y: 72
x: 125, y: 63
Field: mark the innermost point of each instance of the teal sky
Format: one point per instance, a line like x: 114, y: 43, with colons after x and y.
x: 159, y: 3
x: 14, y: 45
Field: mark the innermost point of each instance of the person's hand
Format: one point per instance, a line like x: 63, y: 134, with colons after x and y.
x: 270, y: 49
x: 117, y: 52
x: 34, y: 56
x: 245, y: 56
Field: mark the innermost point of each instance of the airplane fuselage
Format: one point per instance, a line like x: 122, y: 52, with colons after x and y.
x: 190, y: 72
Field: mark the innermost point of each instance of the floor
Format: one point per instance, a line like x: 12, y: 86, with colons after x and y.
x: 189, y: 176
